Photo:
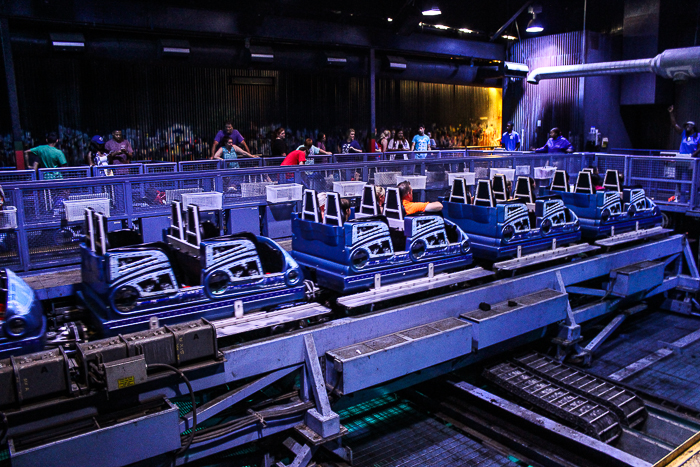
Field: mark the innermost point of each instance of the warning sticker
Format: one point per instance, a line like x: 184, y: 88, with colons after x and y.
x: 126, y: 382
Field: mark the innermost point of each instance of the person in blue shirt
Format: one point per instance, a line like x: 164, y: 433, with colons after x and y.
x: 229, y: 152
x: 510, y: 139
x: 421, y: 142
x: 690, y: 138
x: 556, y: 143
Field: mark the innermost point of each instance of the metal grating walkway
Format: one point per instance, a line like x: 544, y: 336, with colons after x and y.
x: 674, y: 378
x: 388, y: 432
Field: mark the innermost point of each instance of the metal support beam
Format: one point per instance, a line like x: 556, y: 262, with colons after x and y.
x: 12, y: 92
x: 510, y: 21
x: 322, y: 419
x: 372, y: 94
x: 570, y: 332
x: 225, y: 401
x: 689, y: 260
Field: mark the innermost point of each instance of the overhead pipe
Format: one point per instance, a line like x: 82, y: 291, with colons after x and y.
x: 677, y: 64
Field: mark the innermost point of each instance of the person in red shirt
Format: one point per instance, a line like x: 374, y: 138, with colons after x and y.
x: 406, y: 194
x: 298, y: 157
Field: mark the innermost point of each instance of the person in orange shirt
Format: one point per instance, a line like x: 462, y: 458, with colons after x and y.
x: 406, y: 194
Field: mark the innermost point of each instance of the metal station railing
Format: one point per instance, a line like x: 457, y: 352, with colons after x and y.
x: 45, y: 230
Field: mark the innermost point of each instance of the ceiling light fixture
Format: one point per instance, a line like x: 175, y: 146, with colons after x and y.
x: 535, y: 25
x: 510, y: 38
x: 466, y: 31
x: 432, y: 11
x: 441, y: 26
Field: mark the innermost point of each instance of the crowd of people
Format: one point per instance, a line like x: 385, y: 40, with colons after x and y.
x: 299, y: 148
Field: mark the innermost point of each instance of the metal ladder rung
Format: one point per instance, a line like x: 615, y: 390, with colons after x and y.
x: 532, y: 382
x: 595, y: 406
x: 635, y: 412
x: 566, y: 393
x: 581, y: 404
x: 548, y: 385
x: 613, y: 397
x: 600, y: 416
x: 591, y: 380
x: 608, y: 428
x: 569, y: 402
x: 576, y: 381
x: 561, y: 370
x: 511, y: 377
x: 628, y: 400
x: 601, y: 384
x: 607, y: 390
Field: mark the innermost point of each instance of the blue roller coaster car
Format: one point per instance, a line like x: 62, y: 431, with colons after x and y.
x: 194, y: 274
x: 345, y: 255
x: 610, y: 211
x: 22, y: 322
x: 500, y: 228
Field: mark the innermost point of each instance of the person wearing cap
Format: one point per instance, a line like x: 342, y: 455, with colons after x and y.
x: 690, y: 138
x: 119, y: 149
x: 97, y: 155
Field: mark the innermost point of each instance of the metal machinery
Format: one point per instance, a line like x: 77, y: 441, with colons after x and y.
x: 189, y: 389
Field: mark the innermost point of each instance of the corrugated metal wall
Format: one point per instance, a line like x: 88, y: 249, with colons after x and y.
x: 555, y: 102
x: 172, y: 111
x: 409, y: 103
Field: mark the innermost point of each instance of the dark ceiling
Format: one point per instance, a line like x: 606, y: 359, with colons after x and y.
x: 484, y: 17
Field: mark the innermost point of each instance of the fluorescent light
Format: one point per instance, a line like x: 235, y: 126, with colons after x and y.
x: 466, y: 31
x: 261, y: 53
x: 396, y: 63
x: 174, y: 47
x: 176, y: 50
x: 510, y: 38
x: 441, y: 26
x: 535, y: 29
x: 337, y: 60
x: 389, y: 19
x: 67, y: 41
x: 67, y: 44
x: 434, y: 11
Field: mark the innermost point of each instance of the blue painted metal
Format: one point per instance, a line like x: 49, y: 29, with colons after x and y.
x: 505, y: 230
x: 372, y: 362
x: 606, y: 213
x: 22, y: 323
x: 127, y: 286
x: 529, y: 317
x: 346, y: 258
x: 119, y: 444
x: 260, y: 357
x: 516, y: 316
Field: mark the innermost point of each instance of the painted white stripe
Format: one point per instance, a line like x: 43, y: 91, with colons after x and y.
x: 649, y: 360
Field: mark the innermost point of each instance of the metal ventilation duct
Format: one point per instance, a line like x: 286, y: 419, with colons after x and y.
x: 678, y: 64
